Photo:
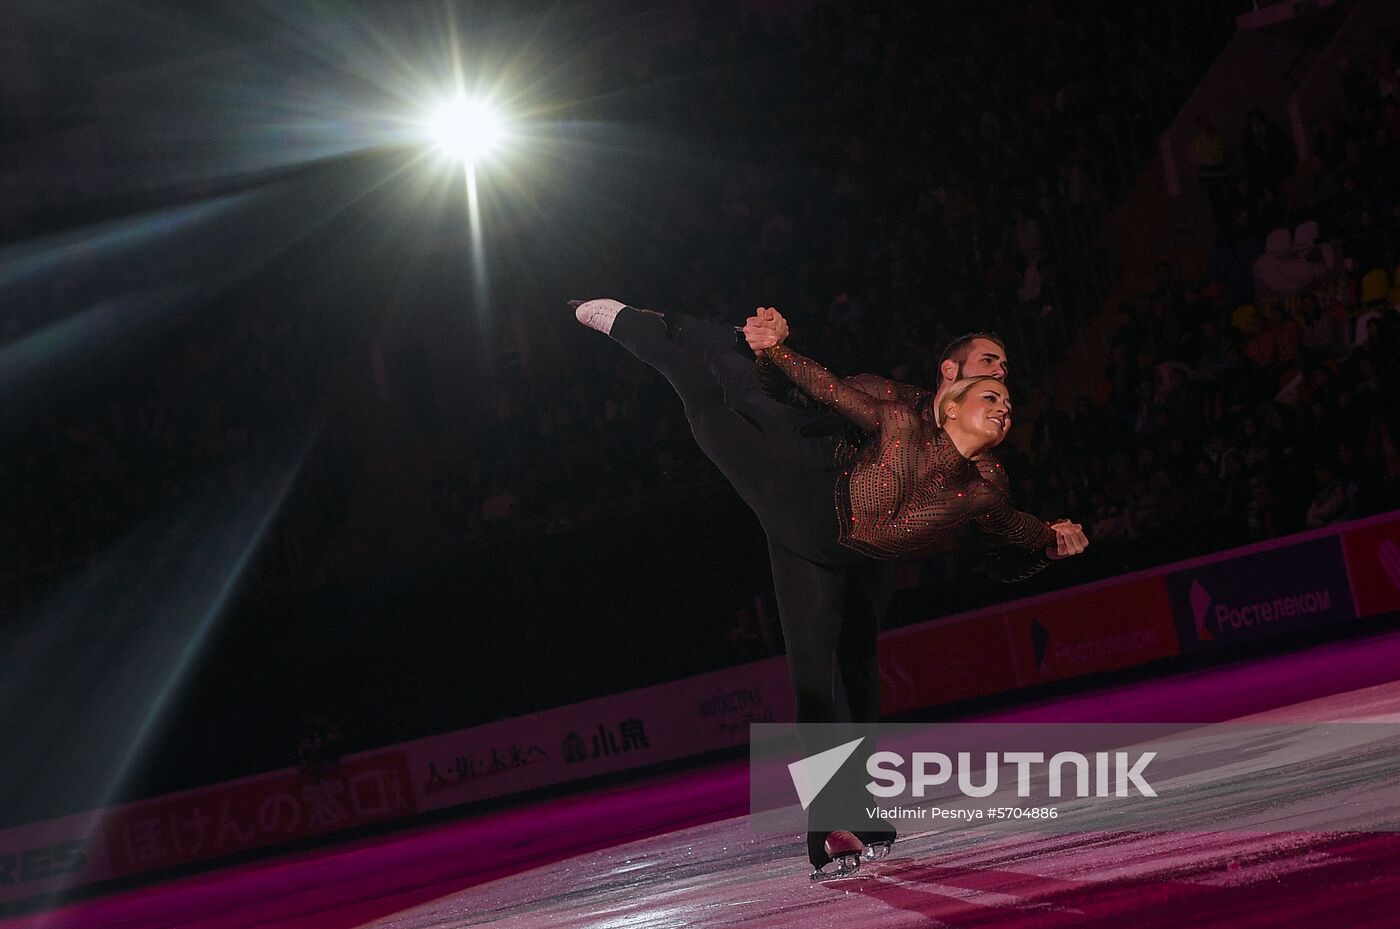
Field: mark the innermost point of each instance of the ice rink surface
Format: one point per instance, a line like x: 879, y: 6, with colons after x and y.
x: 698, y: 864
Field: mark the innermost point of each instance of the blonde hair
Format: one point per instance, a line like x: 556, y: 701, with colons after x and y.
x: 957, y: 391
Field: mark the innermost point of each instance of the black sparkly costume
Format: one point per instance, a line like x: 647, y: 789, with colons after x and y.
x: 911, y: 486
x: 834, y: 521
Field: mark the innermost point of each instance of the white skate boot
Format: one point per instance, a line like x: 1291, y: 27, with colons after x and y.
x: 597, y: 314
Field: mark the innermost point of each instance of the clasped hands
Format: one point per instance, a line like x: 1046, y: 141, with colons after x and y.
x: 765, y: 329
x: 1069, y: 540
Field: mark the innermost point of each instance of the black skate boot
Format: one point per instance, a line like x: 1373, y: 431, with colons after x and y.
x: 834, y: 854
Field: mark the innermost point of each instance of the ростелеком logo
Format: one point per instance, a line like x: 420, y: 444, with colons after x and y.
x: 1200, y: 609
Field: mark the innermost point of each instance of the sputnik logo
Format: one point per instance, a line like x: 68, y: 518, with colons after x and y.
x: 814, y: 772
x: 1200, y: 609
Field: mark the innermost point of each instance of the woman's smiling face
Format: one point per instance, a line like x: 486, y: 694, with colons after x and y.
x: 983, y: 413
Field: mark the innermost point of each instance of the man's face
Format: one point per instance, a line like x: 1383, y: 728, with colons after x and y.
x: 985, y: 357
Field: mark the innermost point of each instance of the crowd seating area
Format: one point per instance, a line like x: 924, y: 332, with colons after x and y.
x: 1259, y: 400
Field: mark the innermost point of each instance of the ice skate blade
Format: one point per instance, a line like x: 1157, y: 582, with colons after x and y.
x: 838, y: 868
x: 877, y: 850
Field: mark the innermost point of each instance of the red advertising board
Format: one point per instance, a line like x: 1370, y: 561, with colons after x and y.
x: 943, y: 663
x: 52, y: 856
x: 1373, y: 562
x: 257, y: 812
x: 621, y: 732
x: 1099, y: 629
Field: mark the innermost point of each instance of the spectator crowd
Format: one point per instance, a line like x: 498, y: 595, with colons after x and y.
x: 889, y: 194
x: 1251, y: 404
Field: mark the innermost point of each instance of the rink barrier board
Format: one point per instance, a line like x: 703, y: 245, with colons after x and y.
x: 1313, y: 579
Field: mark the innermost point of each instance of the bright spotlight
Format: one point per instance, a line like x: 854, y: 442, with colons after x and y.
x: 465, y: 129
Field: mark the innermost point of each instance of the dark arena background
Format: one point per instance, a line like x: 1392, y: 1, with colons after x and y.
x: 345, y: 579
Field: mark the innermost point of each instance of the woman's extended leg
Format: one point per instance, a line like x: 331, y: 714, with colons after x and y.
x: 698, y: 359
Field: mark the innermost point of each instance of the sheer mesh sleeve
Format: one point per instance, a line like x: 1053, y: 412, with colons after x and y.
x: 1010, y: 565
x: 820, y: 384
x: 885, y: 389
x: 995, y: 516
x: 779, y: 386
x: 1006, y: 563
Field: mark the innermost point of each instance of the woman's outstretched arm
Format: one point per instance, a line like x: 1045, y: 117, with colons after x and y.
x: 820, y: 384
x: 991, y: 511
x: 1008, y: 564
x: 996, y: 517
x: 765, y: 333
x: 778, y: 386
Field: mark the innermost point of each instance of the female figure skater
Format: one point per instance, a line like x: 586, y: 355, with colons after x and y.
x: 834, y: 524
